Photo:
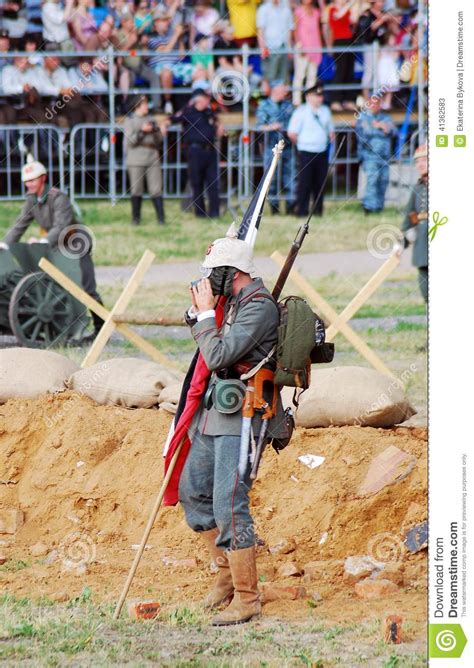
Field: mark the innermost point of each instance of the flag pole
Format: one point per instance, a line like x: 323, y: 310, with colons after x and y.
x: 146, y: 533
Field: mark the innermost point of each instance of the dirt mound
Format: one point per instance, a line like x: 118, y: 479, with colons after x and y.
x: 85, y: 477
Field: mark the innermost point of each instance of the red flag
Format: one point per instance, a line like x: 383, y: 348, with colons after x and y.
x: 196, y: 380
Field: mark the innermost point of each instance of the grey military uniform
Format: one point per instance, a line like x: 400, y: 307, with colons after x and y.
x: 55, y: 215
x: 210, y: 490
x: 252, y: 334
x: 417, y: 218
x: 142, y: 156
x: 52, y: 211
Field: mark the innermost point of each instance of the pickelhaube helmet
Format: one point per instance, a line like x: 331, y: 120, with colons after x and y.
x: 229, y: 251
x: 32, y: 170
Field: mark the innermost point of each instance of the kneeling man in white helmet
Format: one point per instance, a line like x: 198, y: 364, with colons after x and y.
x: 55, y: 215
x: 216, y: 479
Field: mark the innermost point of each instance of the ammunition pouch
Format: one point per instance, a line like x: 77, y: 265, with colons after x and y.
x: 226, y: 395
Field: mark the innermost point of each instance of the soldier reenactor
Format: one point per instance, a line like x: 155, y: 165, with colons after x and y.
x: 213, y: 494
x: 375, y: 130
x: 200, y: 131
x: 59, y: 225
x: 415, y: 225
x: 273, y: 116
x: 143, y: 141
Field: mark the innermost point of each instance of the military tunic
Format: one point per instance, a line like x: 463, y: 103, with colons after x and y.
x: 54, y: 214
x: 210, y: 490
x: 416, y: 219
x: 142, y: 156
x: 374, y: 152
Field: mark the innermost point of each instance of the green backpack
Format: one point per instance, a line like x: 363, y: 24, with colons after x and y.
x: 301, y: 342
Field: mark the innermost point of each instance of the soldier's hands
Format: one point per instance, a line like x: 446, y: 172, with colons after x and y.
x: 193, y: 298
x: 202, y: 293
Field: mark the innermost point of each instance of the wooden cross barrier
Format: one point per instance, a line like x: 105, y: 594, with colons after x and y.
x: 108, y: 316
x: 338, y: 322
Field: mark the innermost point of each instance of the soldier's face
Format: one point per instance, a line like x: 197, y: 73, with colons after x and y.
x: 422, y: 166
x: 35, y: 186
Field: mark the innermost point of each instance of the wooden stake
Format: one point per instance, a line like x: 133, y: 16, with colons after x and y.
x: 119, y: 307
x: 364, y: 294
x: 93, y: 305
x: 330, y: 314
x: 143, y: 320
x: 146, y: 534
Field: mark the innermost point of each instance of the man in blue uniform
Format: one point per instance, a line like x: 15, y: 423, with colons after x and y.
x: 375, y: 130
x: 273, y: 116
x: 312, y: 130
x: 200, y: 130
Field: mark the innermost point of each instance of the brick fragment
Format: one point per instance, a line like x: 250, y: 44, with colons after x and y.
x: 374, y: 589
x: 11, y: 519
x: 275, y: 592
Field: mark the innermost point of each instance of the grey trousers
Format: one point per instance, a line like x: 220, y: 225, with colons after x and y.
x: 153, y: 178
x: 212, y: 494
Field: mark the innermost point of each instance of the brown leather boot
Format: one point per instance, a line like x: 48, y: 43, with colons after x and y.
x: 223, y: 590
x: 246, y: 602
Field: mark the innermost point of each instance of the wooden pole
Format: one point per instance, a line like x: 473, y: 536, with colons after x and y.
x: 364, y: 294
x: 144, y: 320
x: 93, y: 305
x: 119, y: 307
x: 330, y: 314
x: 146, y: 534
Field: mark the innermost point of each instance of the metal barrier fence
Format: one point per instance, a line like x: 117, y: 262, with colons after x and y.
x: 95, y: 164
x: 46, y: 142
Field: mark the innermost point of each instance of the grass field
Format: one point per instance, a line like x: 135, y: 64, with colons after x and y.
x: 81, y: 633
x: 343, y: 227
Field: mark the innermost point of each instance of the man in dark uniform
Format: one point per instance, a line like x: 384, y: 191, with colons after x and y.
x: 59, y: 227
x: 213, y: 494
x: 201, y: 128
x: 415, y: 225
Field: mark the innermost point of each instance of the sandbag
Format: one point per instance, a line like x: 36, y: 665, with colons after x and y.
x: 169, y: 397
x: 128, y: 382
x: 351, y: 395
x: 26, y: 373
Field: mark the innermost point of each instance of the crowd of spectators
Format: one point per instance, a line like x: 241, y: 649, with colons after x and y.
x: 186, y: 39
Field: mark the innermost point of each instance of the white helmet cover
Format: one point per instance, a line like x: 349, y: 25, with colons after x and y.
x: 32, y: 169
x: 230, y: 252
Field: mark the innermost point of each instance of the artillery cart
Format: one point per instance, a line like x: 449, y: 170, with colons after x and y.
x: 33, y: 307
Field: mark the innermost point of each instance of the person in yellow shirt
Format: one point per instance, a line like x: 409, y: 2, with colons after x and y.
x: 243, y: 17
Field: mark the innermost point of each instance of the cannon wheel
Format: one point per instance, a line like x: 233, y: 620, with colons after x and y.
x: 40, y: 311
